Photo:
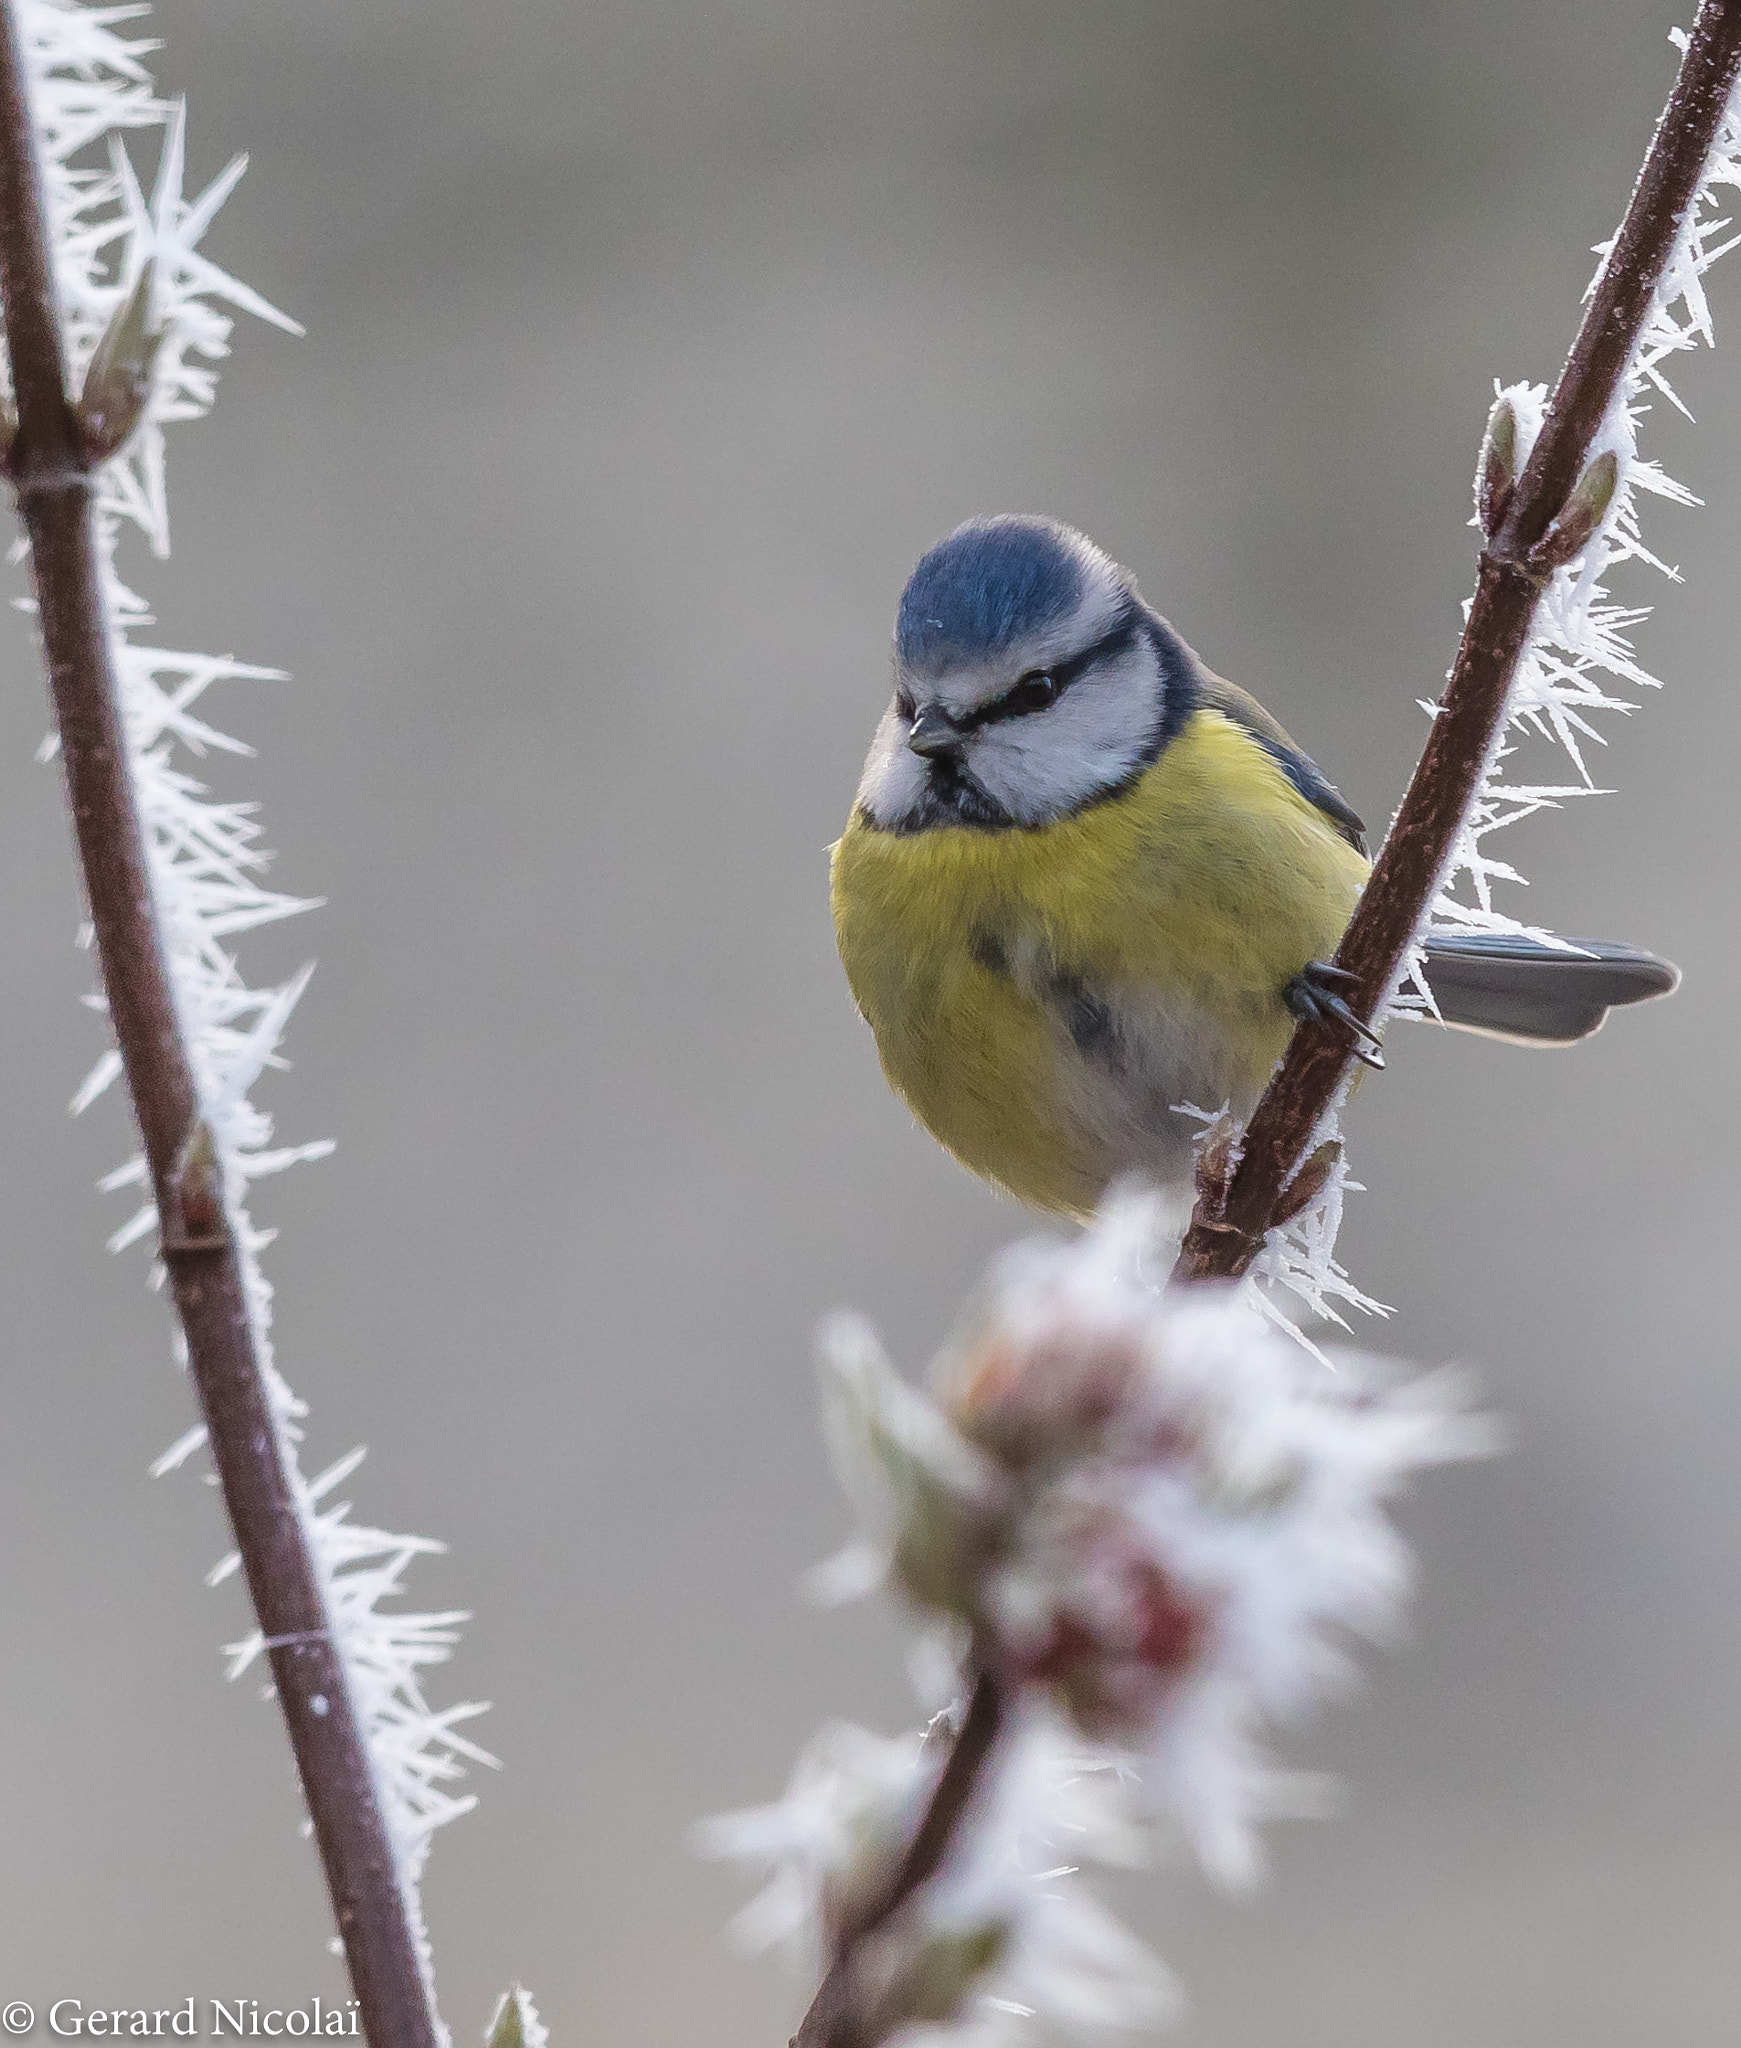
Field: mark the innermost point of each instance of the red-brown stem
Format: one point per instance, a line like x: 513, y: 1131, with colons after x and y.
x: 1228, y: 1227
x: 834, y: 2020
x: 50, y: 473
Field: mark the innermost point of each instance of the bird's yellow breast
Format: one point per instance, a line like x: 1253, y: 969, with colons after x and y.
x: 1041, y: 998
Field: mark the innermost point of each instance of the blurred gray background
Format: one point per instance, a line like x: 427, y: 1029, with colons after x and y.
x: 648, y: 345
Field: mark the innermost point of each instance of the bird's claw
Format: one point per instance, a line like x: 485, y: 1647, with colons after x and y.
x: 1311, y: 996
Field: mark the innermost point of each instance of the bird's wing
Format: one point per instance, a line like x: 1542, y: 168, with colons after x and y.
x: 1217, y: 694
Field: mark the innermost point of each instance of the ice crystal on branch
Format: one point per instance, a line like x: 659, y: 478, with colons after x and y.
x: 1156, y: 1520
x: 113, y: 241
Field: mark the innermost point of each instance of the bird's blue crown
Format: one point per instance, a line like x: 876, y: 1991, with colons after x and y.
x: 991, y: 583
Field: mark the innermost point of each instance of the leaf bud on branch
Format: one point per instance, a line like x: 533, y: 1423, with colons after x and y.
x: 118, y: 377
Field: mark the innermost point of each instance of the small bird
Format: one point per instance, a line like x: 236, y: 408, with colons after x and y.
x: 1086, y: 881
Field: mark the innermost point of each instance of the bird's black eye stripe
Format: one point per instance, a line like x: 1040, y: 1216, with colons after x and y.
x: 1039, y: 690
x: 1042, y: 688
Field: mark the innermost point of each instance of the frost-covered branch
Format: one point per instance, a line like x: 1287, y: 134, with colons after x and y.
x: 170, y: 876
x: 1132, y: 1524
x: 1570, y: 502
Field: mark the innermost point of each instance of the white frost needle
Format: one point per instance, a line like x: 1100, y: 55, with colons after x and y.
x: 89, y: 85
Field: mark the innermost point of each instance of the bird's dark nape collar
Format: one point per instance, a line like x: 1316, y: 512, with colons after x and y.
x: 1181, y: 690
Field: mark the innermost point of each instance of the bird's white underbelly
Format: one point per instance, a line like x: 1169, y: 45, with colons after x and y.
x: 1127, y: 1093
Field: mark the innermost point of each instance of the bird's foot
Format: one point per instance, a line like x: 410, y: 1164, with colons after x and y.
x: 1312, y: 997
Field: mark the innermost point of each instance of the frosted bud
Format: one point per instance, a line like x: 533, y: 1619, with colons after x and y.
x: 515, y: 2022
x: 1045, y: 1394
x: 1088, y: 1610
x: 934, y: 1500
x: 118, y: 377
x: 1155, y: 1516
x: 943, y: 1539
x: 1496, y: 474
x: 927, y: 1980
x: 1583, y: 511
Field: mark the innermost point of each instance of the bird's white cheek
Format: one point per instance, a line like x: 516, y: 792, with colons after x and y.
x: 1042, y: 767
x: 893, y: 779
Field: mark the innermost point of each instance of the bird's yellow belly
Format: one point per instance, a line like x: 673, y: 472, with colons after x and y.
x: 1043, y: 1000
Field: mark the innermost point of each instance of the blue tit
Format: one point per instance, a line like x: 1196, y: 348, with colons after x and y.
x: 1087, y: 881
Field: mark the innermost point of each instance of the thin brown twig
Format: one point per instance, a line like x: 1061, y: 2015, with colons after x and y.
x: 49, y: 465
x: 834, y: 2020
x: 1232, y: 1215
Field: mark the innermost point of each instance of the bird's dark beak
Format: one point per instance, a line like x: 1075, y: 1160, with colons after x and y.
x: 934, y: 735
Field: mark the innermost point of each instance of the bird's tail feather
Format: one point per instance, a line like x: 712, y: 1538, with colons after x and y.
x: 1517, y: 988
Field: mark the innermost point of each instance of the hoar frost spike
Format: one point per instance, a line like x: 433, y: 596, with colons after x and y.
x: 125, y: 257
